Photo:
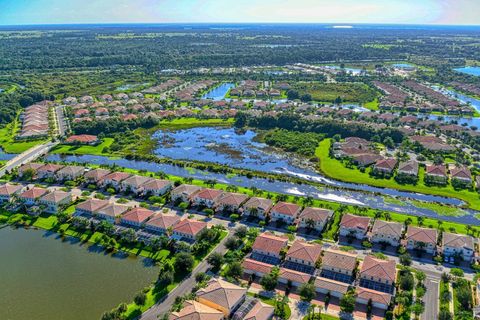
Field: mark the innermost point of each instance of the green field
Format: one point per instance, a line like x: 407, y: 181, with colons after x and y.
x: 328, y: 92
x: 335, y: 169
x: 83, y: 149
x: 7, y: 139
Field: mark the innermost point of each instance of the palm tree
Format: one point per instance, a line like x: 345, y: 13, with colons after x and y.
x: 420, y: 220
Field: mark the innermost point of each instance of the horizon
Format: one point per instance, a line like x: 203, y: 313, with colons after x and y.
x: 395, y: 12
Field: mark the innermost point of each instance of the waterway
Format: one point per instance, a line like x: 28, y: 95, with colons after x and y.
x: 6, y: 156
x: 474, y: 71
x: 218, y: 93
x: 45, y: 278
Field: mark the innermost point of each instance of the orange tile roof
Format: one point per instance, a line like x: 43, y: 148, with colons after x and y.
x: 377, y: 268
x: 315, y: 214
x: 269, y: 242
x: 375, y: 296
x: 260, y: 311
x: 92, y: 205
x: 339, y: 259
x: 352, y: 221
x: 222, y: 293
x: 9, y: 189
x: 305, y: 251
x: 138, y: 215
x: 82, y: 138
x: 425, y: 235
x: 257, y: 266
x: 33, y: 193
x: 193, y: 310
x: 190, y: 227
x: 209, y: 194
x: 288, y: 209
x: 294, y: 276
x: 163, y: 221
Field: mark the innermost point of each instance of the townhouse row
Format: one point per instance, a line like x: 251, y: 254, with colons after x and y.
x: 332, y: 271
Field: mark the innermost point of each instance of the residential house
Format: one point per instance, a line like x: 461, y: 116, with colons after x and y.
x: 257, y: 207
x: 386, y: 232
x: 96, y: 175
x: 304, y: 254
x: 295, y: 278
x: 315, y: 218
x: 286, y: 212
x: 385, y: 166
x: 29, y: 197
x: 207, y: 197
x: 424, y: 239
x: 461, y: 175
x: 48, y: 170
x: 184, y: 193
x: 32, y: 167
x: 436, y: 173
x: 335, y: 288
x: 458, y: 245
x: 55, y: 200
x: 70, y: 172
x: 269, y: 245
x: 136, y: 217
x: 188, y: 229
x: 112, y: 212
x: 114, y: 179
x: 134, y: 184
x: 156, y: 187
x: 256, y: 268
x: 90, y: 207
x: 160, y: 223
x: 354, y: 226
x: 378, y: 274
x: 379, y: 300
x: 408, y: 168
x: 230, y: 201
x: 338, y: 265
x: 222, y: 296
x: 9, y: 191
x: 195, y: 310
x: 257, y: 310
x: 82, y: 139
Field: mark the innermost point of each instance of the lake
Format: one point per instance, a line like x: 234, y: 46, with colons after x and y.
x: 474, y: 71
x: 6, y: 156
x: 218, y: 93
x: 44, y: 278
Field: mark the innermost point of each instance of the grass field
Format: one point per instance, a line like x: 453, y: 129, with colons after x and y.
x: 94, y: 150
x: 328, y: 92
x: 7, y: 139
x: 335, y: 169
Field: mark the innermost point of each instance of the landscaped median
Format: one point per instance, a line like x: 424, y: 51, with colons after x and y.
x: 335, y: 169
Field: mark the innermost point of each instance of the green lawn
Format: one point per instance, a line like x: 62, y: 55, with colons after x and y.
x: 372, y: 105
x: 8, y: 142
x: 335, y: 169
x: 83, y: 149
x: 324, y: 317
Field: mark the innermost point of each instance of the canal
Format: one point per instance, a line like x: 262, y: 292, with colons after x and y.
x: 45, y: 278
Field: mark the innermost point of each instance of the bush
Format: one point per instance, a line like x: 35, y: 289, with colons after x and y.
x: 184, y: 262
x: 140, y: 298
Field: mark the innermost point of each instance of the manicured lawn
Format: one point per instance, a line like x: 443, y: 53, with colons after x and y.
x: 324, y: 317
x: 7, y: 139
x: 94, y: 150
x: 372, y: 105
x: 335, y: 169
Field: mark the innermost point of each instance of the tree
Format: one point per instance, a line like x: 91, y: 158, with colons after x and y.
x: 234, y: 270
x: 292, y: 94
x: 165, y: 277
x: 232, y: 243
x: 215, y: 260
x: 184, y: 262
x: 269, y: 281
x: 444, y: 315
x: 457, y: 272
x: 405, y: 259
x: 241, y: 232
x: 140, y: 298
x: 347, y: 303
x: 464, y: 296
x: 421, y: 276
x: 307, y: 291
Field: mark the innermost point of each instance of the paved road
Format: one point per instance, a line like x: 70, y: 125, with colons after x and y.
x: 27, y: 156
x: 62, y: 126
x: 186, y: 286
x: 431, y: 297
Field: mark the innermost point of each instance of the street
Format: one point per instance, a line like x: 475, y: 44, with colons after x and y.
x: 430, y: 299
x: 186, y: 286
x: 61, y: 122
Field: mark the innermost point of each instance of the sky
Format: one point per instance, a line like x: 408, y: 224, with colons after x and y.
x: 448, y: 12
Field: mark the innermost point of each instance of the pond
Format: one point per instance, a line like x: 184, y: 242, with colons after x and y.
x: 6, y: 156
x: 353, y: 71
x: 403, y: 65
x: 474, y: 71
x: 45, y: 278
x: 219, y: 92
x: 227, y: 147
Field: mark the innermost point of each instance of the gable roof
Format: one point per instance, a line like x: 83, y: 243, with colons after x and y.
x: 377, y: 268
x: 351, y: 221
x: 116, y: 176
x: 425, y: 235
x: 387, y: 228
x: 339, y: 259
x: 193, y: 310
x: 222, y: 293
x: 285, y: 208
x: 305, y: 251
x: 268, y: 242
x: 190, y: 227
x: 186, y: 189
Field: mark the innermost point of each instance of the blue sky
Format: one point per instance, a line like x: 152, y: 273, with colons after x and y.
x: 462, y: 12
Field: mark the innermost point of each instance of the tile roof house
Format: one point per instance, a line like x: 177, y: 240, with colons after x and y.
x: 222, y: 296
x: 207, y: 197
x: 378, y: 274
x: 55, y: 200
x: 379, y: 300
x: 82, y: 139
x: 159, y: 223
x: 184, y: 192
x: 286, y: 212
x: 335, y: 288
x: 230, y: 201
x: 134, y: 184
x: 386, y: 232
x: 9, y: 191
x: 315, y: 218
x: 461, y: 174
x: 29, y: 167
x: 356, y: 226
x: 70, y: 172
x: 436, y: 172
x: 95, y: 175
x: 385, y: 166
x: 136, y: 217
x: 257, y: 207
x: 421, y: 238
x: 409, y: 168
x: 304, y: 253
x: 366, y: 159
x: 456, y: 244
x: 156, y: 187
x: 188, y: 229
x: 90, y: 207
x: 260, y: 311
x: 269, y: 244
x: 257, y: 268
x: 30, y: 196
x: 112, y: 212
x: 296, y: 278
x: 193, y: 310
x: 48, y: 170
x: 338, y: 265
x: 114, y: 179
